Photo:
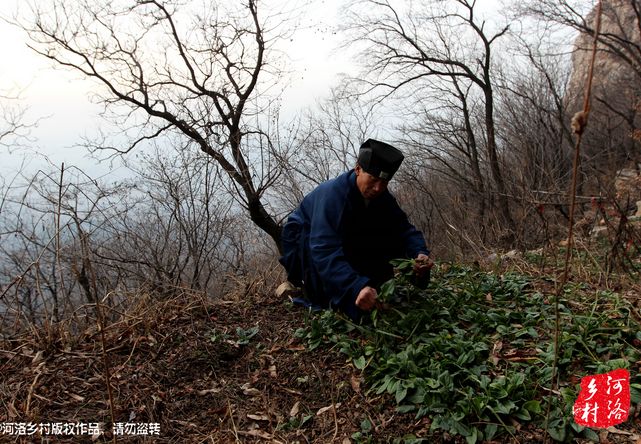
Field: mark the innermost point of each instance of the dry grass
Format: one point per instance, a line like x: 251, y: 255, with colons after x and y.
x: 177, y: 362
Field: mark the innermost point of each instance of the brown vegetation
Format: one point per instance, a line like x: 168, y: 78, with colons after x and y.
x: 176, y: 361
x: 163, y: 284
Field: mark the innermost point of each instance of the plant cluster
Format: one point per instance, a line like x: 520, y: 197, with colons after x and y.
x: 474, y: 351
x: 243, y: 337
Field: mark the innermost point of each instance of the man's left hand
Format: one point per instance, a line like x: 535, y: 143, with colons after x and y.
x: 422, y: 265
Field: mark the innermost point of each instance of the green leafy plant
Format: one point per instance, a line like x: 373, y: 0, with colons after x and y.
x: 296, y: 422
x: 473, y: 351
x: 243, y: 337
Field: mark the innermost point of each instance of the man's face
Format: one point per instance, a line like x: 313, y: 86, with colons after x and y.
x: 370, y: 186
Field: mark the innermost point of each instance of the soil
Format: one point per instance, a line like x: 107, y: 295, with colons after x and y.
x: 179, y: 364
x: 183, y: 365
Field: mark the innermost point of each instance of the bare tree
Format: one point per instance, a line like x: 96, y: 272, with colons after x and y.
x: 532, y: 115
x: 616, y: 77
x: 176, y: 228
x: 175, y: 68
x: 14, y: 126
x: 48, y: 223
x: 444, y: 142
x: 436, y: 48
x: 621, y: 36
x: 324, y: 141
x: 66, y: 239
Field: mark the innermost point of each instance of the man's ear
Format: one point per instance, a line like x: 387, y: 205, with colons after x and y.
x: 357, y: 169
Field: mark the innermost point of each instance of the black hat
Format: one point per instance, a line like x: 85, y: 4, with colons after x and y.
x: 379, y: 159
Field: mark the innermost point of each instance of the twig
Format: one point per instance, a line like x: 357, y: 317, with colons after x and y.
x: 58, y: 262
x: 331, y: 397
x: 233, y: 424
x: 105, y: 360
x: 32, y: 387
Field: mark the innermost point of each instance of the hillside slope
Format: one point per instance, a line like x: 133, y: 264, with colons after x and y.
x: 257, y: 369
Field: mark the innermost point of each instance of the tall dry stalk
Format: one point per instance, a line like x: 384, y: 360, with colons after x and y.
x: 56, y: 314
x: 579, y: 122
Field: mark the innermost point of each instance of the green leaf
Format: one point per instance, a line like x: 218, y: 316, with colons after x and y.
x: 360, y: 362
x: 401, y: 393
x: 532, y: 406
x: 391, y: 387
x: 387, y: 291
x: 383, y: 386
x: 366, y: 426
x: 490, y: 431
x: 461, y: 429
x: 432, y: 383
x: 244, y: 336
x: 523, y: 415
x: 473, y: 437
x: 558, y: 432
x: 635, y: 393
x: 591, y: 435
x: 405, y: 408
x: 505, y: 407
x: 517, y: 380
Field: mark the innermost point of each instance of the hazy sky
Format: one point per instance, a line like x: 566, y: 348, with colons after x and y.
x: 60, y: 97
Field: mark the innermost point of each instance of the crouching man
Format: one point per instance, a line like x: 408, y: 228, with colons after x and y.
x: 338, y: 243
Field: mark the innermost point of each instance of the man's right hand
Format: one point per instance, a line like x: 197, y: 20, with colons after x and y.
x: 366, y: 299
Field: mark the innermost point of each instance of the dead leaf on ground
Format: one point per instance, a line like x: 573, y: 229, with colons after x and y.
x: 257, y: 434
x: 292, y: 391
x: 77, y: 397
x: 258, y: 417
x: 495, y: 352
x: 617, y: 431
x: 329, y: 407
x: 248, y: 390
x: 208, y: 391
x: 355, y: 381
x: 38, y: 357
x: 294, y: 411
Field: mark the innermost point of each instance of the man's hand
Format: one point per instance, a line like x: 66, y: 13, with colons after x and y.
x: 422, y: 265
x: 366, y: 299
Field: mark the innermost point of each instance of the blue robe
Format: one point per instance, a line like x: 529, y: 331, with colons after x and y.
x: 335, y: 243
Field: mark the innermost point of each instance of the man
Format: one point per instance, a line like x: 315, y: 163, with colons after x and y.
x: 338, y: 243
